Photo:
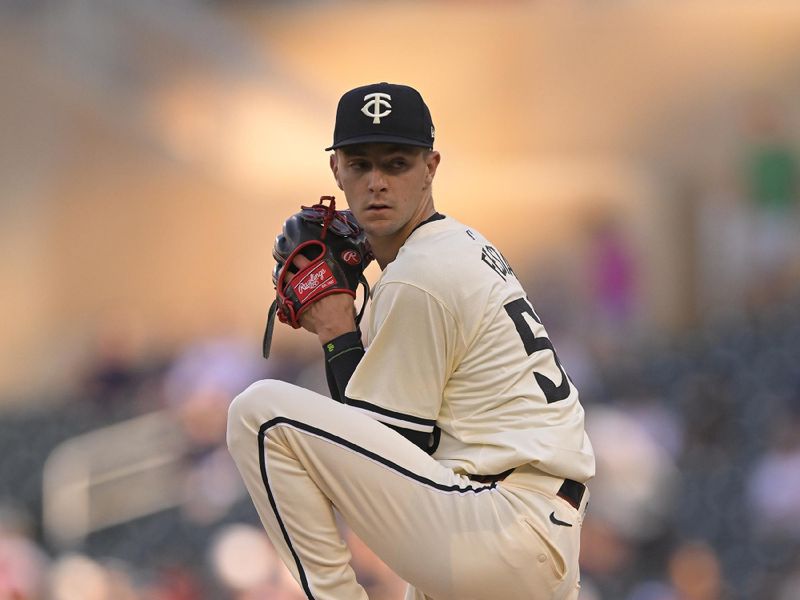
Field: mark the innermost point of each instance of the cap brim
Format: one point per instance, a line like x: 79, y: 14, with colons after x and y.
x: 380, y: 139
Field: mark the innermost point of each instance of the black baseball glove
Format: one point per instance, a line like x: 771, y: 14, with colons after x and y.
x: 337, y: 247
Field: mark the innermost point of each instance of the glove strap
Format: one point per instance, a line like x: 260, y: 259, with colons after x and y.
x: 267, y: 342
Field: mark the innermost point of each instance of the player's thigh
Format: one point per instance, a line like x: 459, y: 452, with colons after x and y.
x: 275, y: 411
x: 437, y: 530
x: 486, y: 547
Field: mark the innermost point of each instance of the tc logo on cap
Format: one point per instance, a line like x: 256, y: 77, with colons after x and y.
x: 375, y: 102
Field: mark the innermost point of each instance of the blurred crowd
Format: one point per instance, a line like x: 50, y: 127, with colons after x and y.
x: 695, y: 422
x: 697, y: 495
x: 697, y: 435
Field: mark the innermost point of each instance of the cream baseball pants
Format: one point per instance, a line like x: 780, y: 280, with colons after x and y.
x: 301, y: 455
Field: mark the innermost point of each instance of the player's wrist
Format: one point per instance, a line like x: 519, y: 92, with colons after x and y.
x: 330, y: 332
x: 345, y: 341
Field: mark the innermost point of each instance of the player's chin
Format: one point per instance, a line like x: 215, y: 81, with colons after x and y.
x: 380, y: 228
x: 378, y: 224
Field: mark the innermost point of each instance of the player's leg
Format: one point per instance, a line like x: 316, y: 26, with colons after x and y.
x: 296, y: 515
x: 290, y: 447
x: 300, y: 453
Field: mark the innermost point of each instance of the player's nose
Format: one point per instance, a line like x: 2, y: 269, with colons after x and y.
x: 377, y: 181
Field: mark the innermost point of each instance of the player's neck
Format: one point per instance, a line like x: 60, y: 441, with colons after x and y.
x: 385, y: 248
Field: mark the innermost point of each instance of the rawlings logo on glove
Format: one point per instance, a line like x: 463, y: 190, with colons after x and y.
x: 319, y: 279
x: 338, y: 250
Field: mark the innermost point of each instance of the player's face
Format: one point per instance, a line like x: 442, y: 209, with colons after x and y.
x: 387, y: 186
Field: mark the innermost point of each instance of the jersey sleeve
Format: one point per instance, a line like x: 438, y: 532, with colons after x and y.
x: 410, y: 355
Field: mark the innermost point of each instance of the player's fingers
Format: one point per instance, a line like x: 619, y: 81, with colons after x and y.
x: 298, y: 262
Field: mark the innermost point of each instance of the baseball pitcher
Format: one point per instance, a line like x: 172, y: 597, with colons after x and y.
x: 454, y: 444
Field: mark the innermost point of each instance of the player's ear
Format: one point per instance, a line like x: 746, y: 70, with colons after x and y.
x: 335, y: 170
x: 432, y: 159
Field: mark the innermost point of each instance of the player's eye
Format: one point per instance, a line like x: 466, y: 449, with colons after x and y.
x: 358, y: 165
x: 398, y: 164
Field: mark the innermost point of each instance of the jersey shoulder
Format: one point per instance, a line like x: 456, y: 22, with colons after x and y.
x: 456, y: 266
x: 446, y: 252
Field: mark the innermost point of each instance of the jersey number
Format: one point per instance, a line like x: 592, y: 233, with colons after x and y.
x: 516, y: 310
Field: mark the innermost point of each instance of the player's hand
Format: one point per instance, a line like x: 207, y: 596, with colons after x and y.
x: 328, y: 317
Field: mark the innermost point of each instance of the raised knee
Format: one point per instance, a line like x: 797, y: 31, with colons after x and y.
x: 255, y: 399
x: 255, y: 405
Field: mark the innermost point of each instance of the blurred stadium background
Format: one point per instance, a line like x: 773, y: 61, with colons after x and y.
x: 637, y: 161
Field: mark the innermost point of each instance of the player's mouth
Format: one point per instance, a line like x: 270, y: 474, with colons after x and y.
x: 377, y: 207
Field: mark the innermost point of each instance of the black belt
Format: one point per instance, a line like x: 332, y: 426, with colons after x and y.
x: 570, y: 490
x: 491, y: 478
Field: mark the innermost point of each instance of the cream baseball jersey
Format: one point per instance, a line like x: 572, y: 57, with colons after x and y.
x: 455, y: 348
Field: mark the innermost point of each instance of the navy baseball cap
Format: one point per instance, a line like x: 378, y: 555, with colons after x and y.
x: 383, y: 112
